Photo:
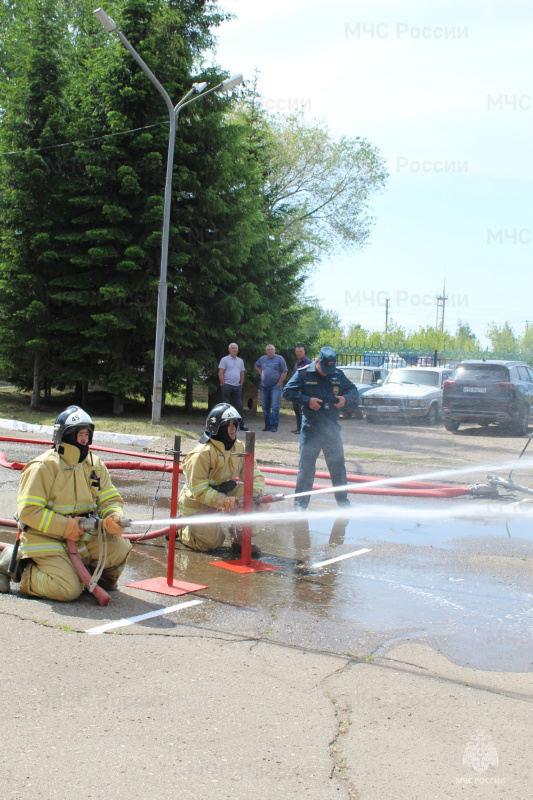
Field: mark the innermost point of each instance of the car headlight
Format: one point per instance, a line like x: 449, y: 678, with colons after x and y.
x: 367, y: 400
x: 416, y: 403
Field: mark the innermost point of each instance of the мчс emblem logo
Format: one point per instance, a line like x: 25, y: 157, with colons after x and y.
x: 480, y: 753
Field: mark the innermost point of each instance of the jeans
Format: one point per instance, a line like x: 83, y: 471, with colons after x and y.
x: 270, y: 400
x: 233, y: 396
x: 314, y: 438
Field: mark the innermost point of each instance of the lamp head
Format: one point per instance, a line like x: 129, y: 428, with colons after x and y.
x: 199, y: 87
x: 105, y: 19
x: 231, y: 83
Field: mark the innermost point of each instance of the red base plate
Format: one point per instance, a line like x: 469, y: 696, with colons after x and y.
x: 161, y: 586
x: 238, y: 566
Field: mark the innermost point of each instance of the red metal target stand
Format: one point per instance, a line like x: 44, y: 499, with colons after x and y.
x: 170, y: 585
x: 246, y: 564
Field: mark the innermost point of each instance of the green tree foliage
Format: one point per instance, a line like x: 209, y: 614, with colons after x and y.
x: 502, y: 338
x: 34, y: 60
x: 315, y: 323
x: 465, y: 338
x: 257, y: 200
x: 320, y: 187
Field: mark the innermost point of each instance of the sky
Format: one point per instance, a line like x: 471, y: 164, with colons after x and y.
x: 444, y: 91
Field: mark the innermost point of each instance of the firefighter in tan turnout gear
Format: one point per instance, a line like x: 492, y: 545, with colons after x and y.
x: 210, y: 470
x: 56, y: 490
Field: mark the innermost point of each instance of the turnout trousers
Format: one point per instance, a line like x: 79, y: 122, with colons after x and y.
x: 53, y: 576
x: 204, y: 537
x: 316, y: 437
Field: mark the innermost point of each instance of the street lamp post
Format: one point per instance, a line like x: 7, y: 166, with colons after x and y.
x: 200, y: 89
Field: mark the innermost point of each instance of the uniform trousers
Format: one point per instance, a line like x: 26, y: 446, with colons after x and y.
x: 316, y: 437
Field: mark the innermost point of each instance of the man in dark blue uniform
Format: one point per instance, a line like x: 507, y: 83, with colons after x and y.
x: 322, y: 390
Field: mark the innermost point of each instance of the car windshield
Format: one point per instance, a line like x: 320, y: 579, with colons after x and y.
x: 481, y: 372
x: 358, y: 375
x: 420, y: 377
x: 353, y: 374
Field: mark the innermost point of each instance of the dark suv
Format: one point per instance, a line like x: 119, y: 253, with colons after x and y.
x: 489, y: 391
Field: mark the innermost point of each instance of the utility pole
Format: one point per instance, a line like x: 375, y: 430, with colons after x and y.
x: 441, y: 304
x: 387, y: 301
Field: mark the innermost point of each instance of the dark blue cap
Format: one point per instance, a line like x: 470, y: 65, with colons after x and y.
x: 327, y: 358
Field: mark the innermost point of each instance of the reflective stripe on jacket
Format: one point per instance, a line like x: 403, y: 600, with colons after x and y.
x: 54, y: 486
x: 210, y: 464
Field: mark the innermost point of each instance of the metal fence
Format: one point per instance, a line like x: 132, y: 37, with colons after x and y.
x: 391, y: 356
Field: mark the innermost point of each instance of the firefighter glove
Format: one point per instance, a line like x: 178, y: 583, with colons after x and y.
x: 230, y: 504
x: 73, y: 530
x: 112, y: 527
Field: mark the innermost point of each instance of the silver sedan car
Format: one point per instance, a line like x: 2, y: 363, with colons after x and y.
x: 409, y: 392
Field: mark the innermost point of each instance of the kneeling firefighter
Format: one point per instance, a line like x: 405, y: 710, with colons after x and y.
x: 56, y: 491
x: 210, y: 470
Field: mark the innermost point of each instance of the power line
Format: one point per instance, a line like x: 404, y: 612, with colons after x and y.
x: 82, y: 141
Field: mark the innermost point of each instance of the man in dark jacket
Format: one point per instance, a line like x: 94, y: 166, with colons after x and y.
x: 322, y: 390
x: 301, y: 361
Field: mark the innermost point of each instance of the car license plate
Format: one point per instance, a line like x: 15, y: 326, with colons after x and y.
x: 388, y: 409
x: 479, y: 389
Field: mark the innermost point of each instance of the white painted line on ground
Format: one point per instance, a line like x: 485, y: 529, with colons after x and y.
x: 339, y: 558
x: 121, y: 623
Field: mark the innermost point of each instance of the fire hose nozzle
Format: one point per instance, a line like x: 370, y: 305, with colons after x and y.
x: 88, y: 524
x: 484, y: 490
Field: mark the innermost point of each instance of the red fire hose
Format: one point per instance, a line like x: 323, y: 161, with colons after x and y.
x: 407, y: 488
x: 102, y: 596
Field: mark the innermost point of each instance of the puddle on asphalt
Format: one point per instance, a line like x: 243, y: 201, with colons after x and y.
x: 419, y: 582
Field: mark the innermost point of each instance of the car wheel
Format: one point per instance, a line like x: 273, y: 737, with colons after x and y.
x: 347, y: 414
x: 522, y: 423
x: 451, y: 425
x: 432, y: 415
x: 359, y: 414
x: 370, y: 418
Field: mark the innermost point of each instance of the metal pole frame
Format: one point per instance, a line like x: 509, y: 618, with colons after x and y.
x: 227, y: 85
x: 159, y: 354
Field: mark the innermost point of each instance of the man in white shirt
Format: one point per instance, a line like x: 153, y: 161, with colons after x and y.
x: 231, y: 377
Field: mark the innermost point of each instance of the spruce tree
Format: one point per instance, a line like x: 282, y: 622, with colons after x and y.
x: 33, y: 96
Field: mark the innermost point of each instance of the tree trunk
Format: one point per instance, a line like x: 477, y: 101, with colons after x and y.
x: 118, y: 404
x: 36, y: 392
x: 148, y: 399
x: 188, y: 395
x: 84, y: 394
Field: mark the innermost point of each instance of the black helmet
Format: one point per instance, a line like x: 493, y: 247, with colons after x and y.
x: 70, y: 420
x: 219, y: 415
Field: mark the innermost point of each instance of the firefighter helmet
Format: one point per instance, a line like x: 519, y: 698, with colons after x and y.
x: 70, y: 420
x: 219, y: 415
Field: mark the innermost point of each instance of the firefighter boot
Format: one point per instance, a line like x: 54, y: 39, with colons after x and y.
x: 5, y: 558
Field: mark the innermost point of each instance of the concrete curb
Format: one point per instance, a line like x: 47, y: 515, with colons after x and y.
x: 99, y: 436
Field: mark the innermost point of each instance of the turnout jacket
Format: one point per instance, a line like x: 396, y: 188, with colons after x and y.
x: 54, y: 486
x: 209, y: 465
x: 307, y: 382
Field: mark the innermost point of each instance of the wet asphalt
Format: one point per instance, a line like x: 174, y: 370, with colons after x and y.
x: 462, y: 586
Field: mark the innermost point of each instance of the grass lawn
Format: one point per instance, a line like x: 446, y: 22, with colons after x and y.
x: 136, y: 418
